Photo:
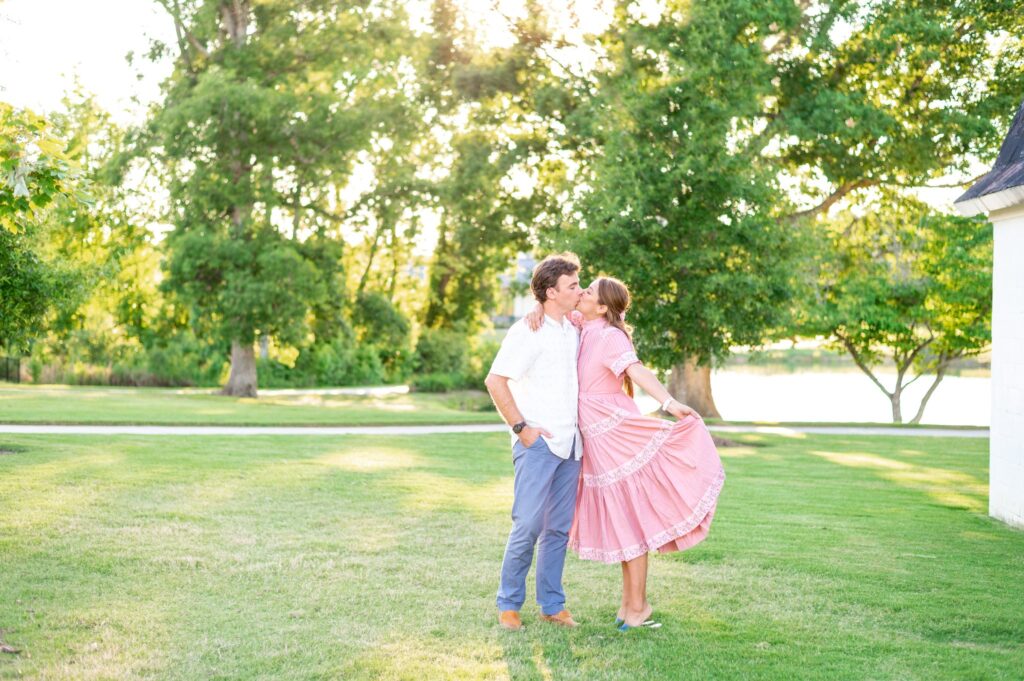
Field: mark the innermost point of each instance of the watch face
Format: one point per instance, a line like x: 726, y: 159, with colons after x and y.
x: 518, y: 428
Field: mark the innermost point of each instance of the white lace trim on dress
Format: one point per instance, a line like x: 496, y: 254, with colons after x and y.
x: 604, y: 425
x: 634, y: 464
x: 624, y: 360
x: 680, y: 529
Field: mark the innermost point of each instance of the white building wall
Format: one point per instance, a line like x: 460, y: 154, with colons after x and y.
x: 1006, y: 455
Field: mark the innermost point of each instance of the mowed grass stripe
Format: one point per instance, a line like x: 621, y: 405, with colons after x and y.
x: 162, y: 406
x: 377, y: 558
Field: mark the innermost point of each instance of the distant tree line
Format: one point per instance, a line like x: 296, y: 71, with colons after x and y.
x: 339, y: 191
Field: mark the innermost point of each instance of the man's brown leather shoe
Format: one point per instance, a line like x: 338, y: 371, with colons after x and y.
x: 509, y: 619
x: 563, y: 618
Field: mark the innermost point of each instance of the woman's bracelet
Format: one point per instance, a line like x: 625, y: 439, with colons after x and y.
x: 664, y: 405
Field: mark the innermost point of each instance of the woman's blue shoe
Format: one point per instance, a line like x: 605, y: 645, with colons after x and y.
x: 649, y: 624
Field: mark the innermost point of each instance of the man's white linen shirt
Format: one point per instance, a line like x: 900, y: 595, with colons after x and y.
x: 541, y: 368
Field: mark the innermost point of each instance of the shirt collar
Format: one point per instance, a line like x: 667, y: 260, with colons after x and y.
x: 548, y: 321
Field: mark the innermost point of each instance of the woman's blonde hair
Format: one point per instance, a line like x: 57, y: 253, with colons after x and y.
x: 613, y: 294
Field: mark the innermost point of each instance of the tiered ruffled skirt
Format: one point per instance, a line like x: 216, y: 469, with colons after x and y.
x: 646, y: 484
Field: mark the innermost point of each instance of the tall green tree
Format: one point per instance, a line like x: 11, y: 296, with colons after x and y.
x: 901, y: 283
x: 268, y: 107
x: 35, y: 174
x: 489, y: 138
x: 682, y: 206
x: 712, y: 135
x: 107, y: 243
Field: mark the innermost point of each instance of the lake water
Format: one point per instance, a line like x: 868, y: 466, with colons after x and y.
x: 753, y: 395
x: 815, y: 394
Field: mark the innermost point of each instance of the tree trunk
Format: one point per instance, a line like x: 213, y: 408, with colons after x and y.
x: 369, y: 260
x: 691, y: 385
x: 242, y: 380
x: 939, y: 374
x: 897, y: 410
x: 393, y: 284
x: 440, y: 274
x: 234, y: 16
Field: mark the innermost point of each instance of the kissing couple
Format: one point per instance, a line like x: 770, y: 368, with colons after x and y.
x: 591, y: 471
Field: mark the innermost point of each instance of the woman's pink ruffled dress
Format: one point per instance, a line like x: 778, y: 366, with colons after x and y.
x: 647, y: 484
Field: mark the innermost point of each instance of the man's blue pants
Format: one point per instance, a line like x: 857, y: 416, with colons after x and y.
x: 543, y: 508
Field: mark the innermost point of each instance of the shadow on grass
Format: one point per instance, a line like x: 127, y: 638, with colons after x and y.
x: 947, y: 487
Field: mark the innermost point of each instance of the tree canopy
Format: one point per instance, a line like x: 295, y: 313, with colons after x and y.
x: 342, y: 182
x: 35, y: 174
x: 713, y: 135
x: 260, y: 127
x: 899, y: 281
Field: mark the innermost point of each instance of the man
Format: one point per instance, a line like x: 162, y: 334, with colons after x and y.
x: 533, y: 384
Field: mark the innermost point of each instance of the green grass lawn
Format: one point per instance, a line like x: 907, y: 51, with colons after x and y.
x: 377, y: 558
x: 72, y: 404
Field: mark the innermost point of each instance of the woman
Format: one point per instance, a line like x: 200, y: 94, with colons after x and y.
x: 647, y: 484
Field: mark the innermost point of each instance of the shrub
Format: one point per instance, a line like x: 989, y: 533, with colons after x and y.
x: 480, y: 361
x: 271, y: 373
x: 35, y: 369
x: 380, y: 325
x: 184, y: 359
x: 435, y: 382
x: 365, y: 366
x: 448, y: 360
x: 442, y: 351
x: 341, y: 362
x: 377, y: 320
x: 398, y: 365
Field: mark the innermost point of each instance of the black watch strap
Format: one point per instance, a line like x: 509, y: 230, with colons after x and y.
x: 518, y: 428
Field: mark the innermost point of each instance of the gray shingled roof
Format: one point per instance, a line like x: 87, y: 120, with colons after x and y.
x: 1003, y: 186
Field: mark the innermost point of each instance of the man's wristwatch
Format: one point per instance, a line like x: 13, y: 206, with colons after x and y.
x: 518, y: 428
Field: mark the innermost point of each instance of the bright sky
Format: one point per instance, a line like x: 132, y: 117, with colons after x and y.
x: 45, y: 44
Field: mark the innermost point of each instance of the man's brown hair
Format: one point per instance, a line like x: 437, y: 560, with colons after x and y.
x: 548, y: 270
